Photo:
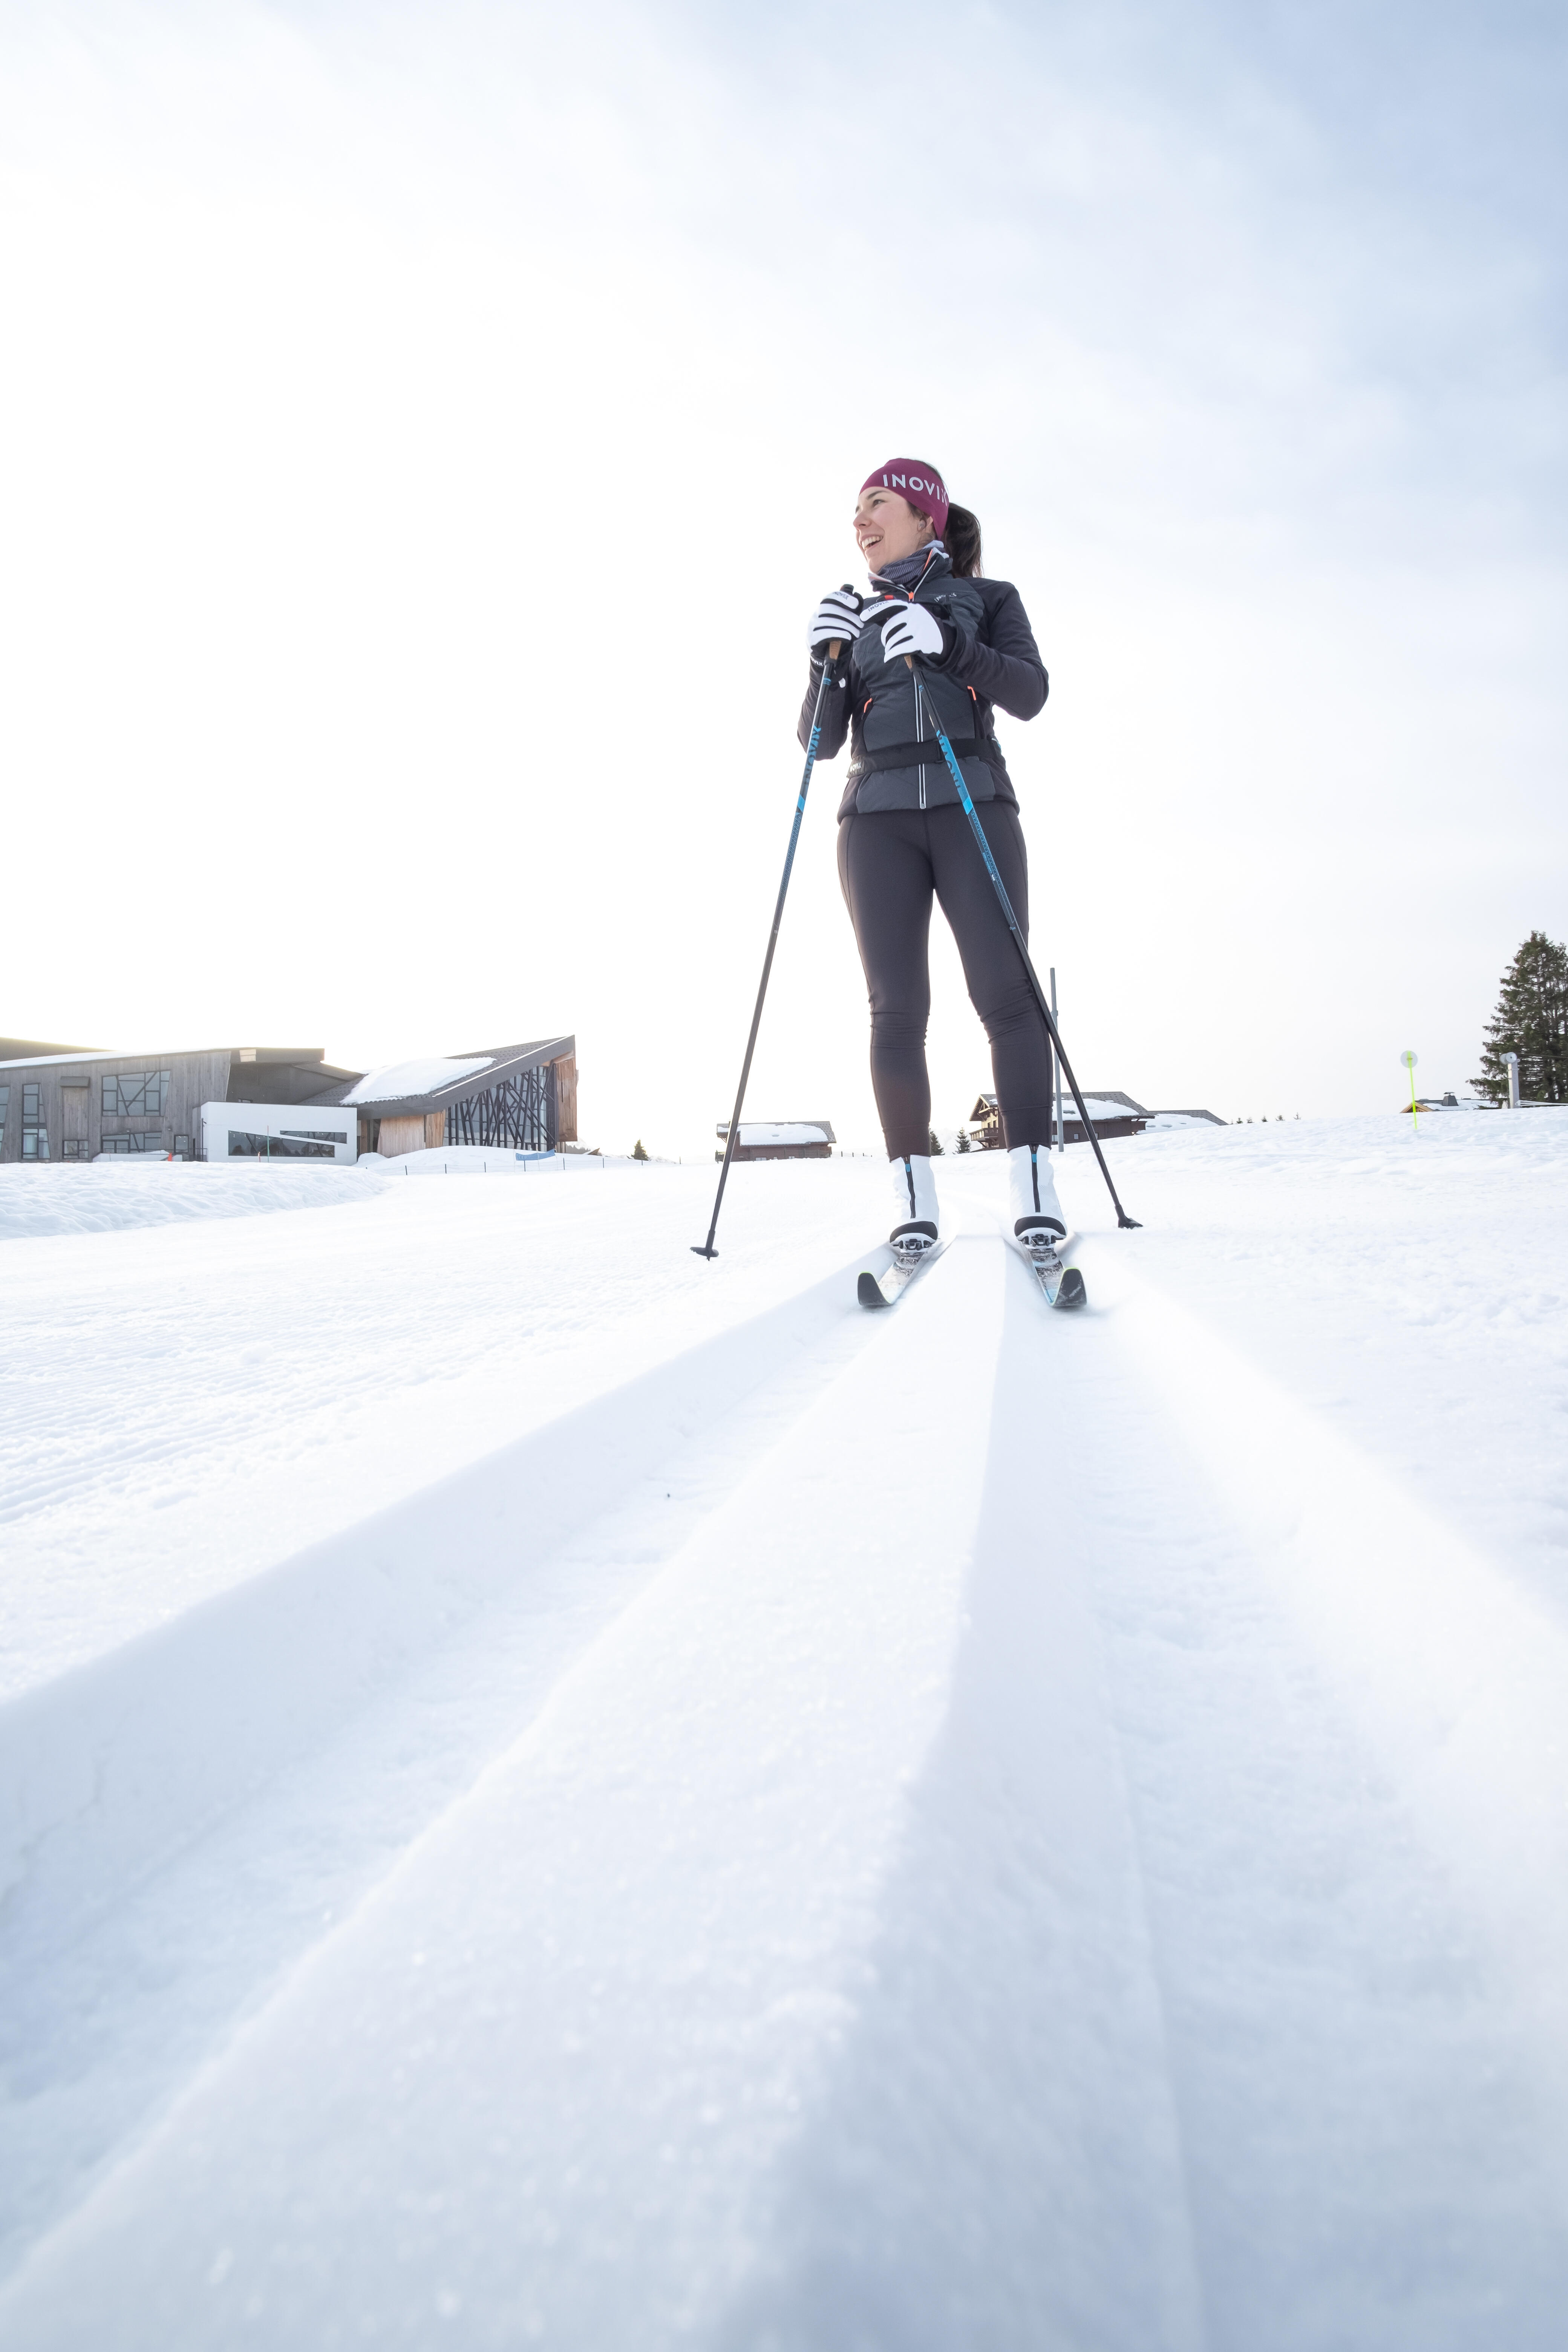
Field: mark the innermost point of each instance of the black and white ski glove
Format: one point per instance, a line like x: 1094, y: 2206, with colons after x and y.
x: 912, y: 630
x: 837, y: 615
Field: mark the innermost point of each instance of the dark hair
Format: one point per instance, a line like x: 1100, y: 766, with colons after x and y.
x: 961, y: 540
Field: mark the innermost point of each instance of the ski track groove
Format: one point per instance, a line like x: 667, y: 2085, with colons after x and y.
x: 38, y: 1931
x: 1207, y: 1586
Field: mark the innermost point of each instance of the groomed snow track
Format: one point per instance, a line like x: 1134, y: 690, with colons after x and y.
x: 1102, y: 1895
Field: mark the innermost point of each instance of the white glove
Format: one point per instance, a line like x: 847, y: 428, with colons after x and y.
x: 837, y: 615
x: 911, y: 630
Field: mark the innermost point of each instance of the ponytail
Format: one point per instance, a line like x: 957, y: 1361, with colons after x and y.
x: 961, y: 537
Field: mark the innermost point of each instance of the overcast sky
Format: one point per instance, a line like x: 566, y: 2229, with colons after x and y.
x: 428, y: 428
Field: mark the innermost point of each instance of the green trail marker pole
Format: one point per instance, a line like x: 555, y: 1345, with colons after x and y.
x: 1408, y: 1058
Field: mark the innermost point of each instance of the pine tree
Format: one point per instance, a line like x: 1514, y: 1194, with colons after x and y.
x: 637, y: 1151
x: 935, y: 1144
x: 964, y: 1143
x: 1531, y: 1020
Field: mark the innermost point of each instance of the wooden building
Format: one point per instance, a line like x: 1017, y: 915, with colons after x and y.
x: 796, y: 1138
x: 1114, y: 1113
x: 64, y: 1104
x: 77, y: 1105
x: 506, y: 1097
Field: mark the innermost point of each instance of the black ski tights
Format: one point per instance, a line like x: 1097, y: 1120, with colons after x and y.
x: 890, y: 864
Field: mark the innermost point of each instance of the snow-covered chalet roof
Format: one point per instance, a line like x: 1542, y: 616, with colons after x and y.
x: 800, y: 1131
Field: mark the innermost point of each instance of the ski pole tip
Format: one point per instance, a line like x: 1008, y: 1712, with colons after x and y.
x: 1128, y: 1225
x: 700, y: 1249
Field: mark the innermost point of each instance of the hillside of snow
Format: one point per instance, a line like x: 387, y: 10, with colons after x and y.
x: 553, y: 1792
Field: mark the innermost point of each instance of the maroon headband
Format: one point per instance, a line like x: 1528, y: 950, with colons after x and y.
x: 918, y: 486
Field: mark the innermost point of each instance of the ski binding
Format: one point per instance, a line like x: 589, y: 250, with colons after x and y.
x: 886, y: 1290
x: 1063, y: 1284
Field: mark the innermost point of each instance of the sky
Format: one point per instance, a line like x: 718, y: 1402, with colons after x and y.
x: 427, y: 431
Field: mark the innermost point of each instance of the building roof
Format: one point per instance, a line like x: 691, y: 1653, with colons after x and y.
x: 31, y: 1049
x: 435, y: 1081
x: 296, y: 1056
x: 1101, y: 1101
x: 781, y: 1131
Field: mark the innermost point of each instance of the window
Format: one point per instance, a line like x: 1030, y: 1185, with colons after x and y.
x: 73, y: 1149
x: 279, y: 1147
x: 5, y: 1107
x: 318, y: 1134
x: 122, y: 1143
x: 136, y: 1094
x: 183, y: 1148
x: 34, y: 1134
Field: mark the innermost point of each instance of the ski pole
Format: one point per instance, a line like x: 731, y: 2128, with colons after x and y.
x: 829, y: 675
x: 923, y: 701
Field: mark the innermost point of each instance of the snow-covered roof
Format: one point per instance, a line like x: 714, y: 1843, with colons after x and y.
x: 396, y: 1080
x: 432, y: 1082
x: 1104, y: 1102
x: 1100, y: 1107
x: 49, y: 1061
x: 799, y: 1130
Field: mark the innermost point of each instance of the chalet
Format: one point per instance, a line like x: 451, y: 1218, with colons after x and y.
x: 800, y: 1138
x: 248, y: 1101
x: 1114, y: 1113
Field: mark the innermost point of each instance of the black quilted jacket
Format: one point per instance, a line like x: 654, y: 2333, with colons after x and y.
x: 989, y: 660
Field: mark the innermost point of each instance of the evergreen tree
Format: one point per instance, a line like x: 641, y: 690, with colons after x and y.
x: 935, y: 1144
x: 1531, y: 1020
x: 964, y: 1143
x: 637, y: 1151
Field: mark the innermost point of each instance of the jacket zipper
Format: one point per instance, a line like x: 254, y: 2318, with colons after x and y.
x: 920, y: 728
x: 919, y: 731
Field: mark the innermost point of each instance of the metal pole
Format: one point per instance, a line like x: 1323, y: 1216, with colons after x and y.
x: 1512, y: 1062
x: 1061, y: 1130
x: 829, y: 674
x: 967, y: 805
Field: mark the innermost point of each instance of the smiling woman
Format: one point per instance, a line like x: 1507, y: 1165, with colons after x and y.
x: 903, y: 837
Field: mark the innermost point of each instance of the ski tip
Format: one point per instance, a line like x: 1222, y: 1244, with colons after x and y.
x: 1070, y: 1292
x: 868, y: 1291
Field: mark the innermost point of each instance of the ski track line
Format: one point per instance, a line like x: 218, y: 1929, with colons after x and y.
x: 114, y: 1762
x: 364, y: 1684
x: 761, y: 1824
x: 1458, y: 1679
x: 879, y: 1941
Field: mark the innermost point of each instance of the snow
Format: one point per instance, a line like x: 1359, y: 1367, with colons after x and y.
x: 395, y: 1081
x: 555, y: 1793
x: 115, y: 1193
x: 1099, y: 1107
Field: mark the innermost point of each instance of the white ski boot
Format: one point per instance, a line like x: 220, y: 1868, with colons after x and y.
x: 1038, y: 1221
x: 915, y: 1234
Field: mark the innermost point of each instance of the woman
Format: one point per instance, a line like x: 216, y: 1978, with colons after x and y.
x: 903, y: 837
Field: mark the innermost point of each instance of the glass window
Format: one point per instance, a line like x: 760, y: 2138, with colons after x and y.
x: 183, y: 1148
x: 4, y: 1105
x: 34, y: 1134
x: 275, y: 1147
x: 73, y: 1149
x: 319, y: 1134
x: 136, y: 1094
x: 121, y: 1143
